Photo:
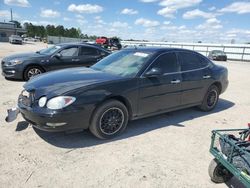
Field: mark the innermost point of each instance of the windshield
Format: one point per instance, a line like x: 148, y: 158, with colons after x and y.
x: 50, y: 50
x: 218, y: 52
x: 123, y: 63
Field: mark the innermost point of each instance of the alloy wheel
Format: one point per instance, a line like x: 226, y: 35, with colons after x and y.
x: 111, y: 121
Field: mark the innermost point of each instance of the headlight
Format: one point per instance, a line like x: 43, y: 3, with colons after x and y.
x: 14, y: 62
x: 60, y: 102
x: 42, y: 101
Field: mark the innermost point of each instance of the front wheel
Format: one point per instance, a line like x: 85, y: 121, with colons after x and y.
x: 218, y: 173
x: 109, y: 119
x: 210, y: 99
x: 32, y: 71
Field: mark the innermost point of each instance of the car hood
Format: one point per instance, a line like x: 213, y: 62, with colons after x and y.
x: 23, y: 56
x: 59, y: 82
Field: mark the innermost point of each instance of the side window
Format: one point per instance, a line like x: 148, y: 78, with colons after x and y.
x: 190, y: 61
x: 204, y: 62
x: 167, y: 63
x: 68, y: 52
x: 89, y: 51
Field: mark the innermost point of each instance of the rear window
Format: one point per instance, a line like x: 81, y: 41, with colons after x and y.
x: 191, y: 61
x: 89, y: 51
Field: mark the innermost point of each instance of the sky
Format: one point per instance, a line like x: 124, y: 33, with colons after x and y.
x: 155, y: 20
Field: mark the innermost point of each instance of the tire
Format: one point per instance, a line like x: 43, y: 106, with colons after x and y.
x: 218, y: 173
x: 109, y: 119
x: 28, y: 72
x: 210, y: 99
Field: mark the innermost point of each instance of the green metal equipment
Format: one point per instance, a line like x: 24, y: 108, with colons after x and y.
x: 225, y: 165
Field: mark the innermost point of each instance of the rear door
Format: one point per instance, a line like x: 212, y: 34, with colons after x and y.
x: 162, y: 92
x: 89, y: 56
x: 196, y: 77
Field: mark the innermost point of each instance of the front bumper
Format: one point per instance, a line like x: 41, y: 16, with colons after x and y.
x: 16, y: 42
x: 220, y: 58
x: 55, y: 121
x: 12, y: 72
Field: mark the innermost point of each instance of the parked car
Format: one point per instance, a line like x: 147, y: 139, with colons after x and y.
x: 112, y: 43
x: 127, y: 85
x: 15, y: 39
x: 25, y: 66
x: 30, y: 39
x: 217, y: 55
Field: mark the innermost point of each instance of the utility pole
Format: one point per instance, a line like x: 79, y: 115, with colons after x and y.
x: 11, y: 16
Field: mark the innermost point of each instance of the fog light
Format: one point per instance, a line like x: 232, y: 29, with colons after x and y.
x: 55, y: 124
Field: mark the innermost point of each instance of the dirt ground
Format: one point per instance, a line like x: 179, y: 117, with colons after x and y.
x: 170, y: 150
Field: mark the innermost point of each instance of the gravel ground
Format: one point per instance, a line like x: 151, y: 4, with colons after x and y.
x: 170, y: 150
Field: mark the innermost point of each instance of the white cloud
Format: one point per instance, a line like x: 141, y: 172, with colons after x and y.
x: 82, y: 21
x: 99, y: 20
x: 167, y: 12
x: 210, y: 24
x: 5, y: 14
x: 237, y: 7
x: 85, y: 8
x: 166, y: 22
x: 80, y: 16
x: 67, y: 19
x: 129, y: 11
x: 239, y: 31
x: 44, y: 23
x: 197, y: 13
x: 147, y: 23
x: 49, y: 13
x: 20, y: 3
x: 212, y: 8
x: 118, y: 24
x: 148, y: 1
x: 178, y: 4
x: 182, y: 27
x: 172, y: 6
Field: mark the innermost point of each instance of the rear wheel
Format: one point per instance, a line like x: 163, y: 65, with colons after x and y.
x: 210, y: 99
x: 32, y: 71
x: 109, y: 119
x: 218, y: 173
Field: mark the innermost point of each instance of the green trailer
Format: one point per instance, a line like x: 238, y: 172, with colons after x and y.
x: 223, y: 167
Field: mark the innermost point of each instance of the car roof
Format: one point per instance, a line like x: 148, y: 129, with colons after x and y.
x: 81, y: 44
x: 158, y: 49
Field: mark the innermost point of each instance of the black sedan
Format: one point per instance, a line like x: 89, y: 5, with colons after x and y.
x: 24, y: 66
x: 127, y: 85
x: 217, y: 55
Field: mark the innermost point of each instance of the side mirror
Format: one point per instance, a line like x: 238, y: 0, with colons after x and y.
x: 58, y: 55
x: 154, y: 72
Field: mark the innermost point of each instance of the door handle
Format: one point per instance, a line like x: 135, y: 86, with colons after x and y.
x: 175, y: 81
x: 75, y: 59
x: 206, y: 76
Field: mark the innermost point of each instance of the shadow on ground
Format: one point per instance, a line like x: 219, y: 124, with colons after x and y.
x: 14, y: 79
x: 138, y: 127
x: 22, y: 125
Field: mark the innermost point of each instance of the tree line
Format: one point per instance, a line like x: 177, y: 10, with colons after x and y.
x: 51, y: 30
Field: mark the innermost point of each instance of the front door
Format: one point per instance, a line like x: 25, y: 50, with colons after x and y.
x: 161, y: 92
x: 67, y: 57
